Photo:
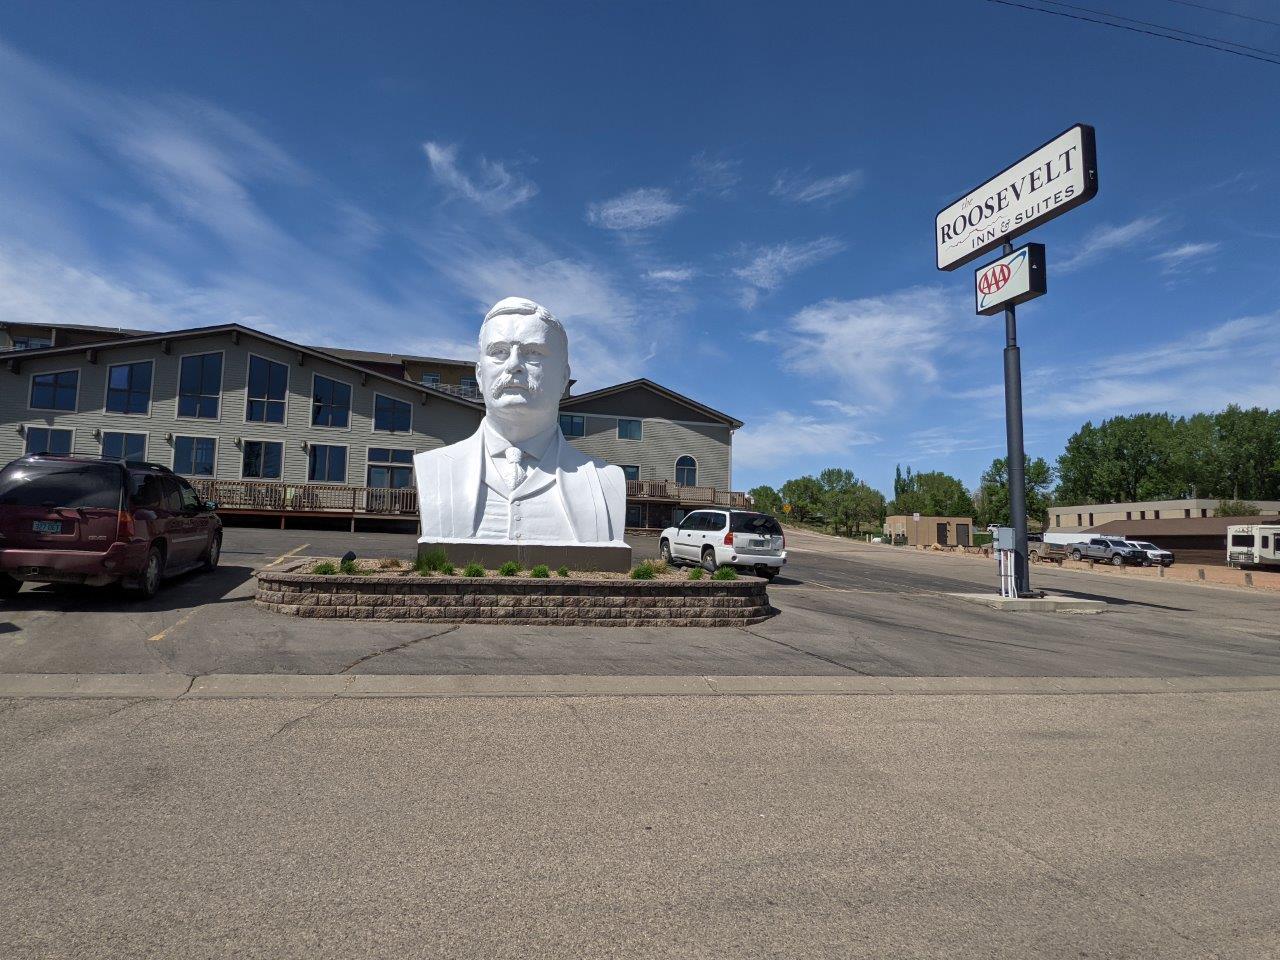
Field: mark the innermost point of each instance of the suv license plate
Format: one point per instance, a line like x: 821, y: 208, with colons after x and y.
x: 47, y: 526
x: 759, y: 543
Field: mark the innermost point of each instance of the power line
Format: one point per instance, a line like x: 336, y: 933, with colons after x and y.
x: 1149, y: 33
x: 1160, y: 26
x: 1228, y: 13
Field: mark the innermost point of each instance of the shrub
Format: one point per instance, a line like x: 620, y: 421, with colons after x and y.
x: 388, y: 563
x: 509, y: 569
x: 696, y: 573
x: 725, y: 573
x: 430, y: 562
x: 349, y: 567
x: 540, y: 571
x: 642, y: 571
x: 324, y: 568
x: 563, y: 571
x: 659, y: 566
x: 473, y: 570
x: 447, y: 568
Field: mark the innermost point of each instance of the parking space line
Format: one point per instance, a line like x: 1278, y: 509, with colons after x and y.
x: 285, y: 556
x: 173, y: 626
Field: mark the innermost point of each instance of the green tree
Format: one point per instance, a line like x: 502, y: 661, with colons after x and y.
x: 993, y: 492
x: 766, y: 499
x: 1237, y: 508
x: 805, y: 496
x: 932, y: 493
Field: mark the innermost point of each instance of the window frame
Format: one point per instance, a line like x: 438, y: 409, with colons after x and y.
x: 311, y: 403
x: 346, y: 464
x: 422, y: 379
x: 173, y: 459
x: 222, y: 383
x: 635, y: 420
x: 632, y: 466
x: 146, y: 442
x: 247, y: 398
x: 373, y: 419
x: 696, y: 469
x: 245, y: 441
x: 370, y: 463
x: 47, y: 426
x: 31, y: 386
x: 151, y: 390
x: 573, y: 416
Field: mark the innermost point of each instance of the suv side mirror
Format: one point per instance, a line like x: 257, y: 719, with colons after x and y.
x: 209, y: 505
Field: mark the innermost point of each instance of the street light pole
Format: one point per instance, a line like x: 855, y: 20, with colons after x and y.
x: 1017, y: 458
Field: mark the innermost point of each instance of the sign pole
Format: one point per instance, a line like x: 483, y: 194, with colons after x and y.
x: 1017, y: 458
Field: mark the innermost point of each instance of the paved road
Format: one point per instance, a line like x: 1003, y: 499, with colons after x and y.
x: 846, y: 609
x: 853, y: 827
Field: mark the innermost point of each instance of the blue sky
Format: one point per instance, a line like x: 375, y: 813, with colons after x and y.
x: 735, y: 200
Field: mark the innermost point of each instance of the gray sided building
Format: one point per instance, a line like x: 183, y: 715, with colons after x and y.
x: 269, y: 427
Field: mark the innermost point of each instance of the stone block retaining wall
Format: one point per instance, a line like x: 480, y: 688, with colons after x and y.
x: 516, y: 600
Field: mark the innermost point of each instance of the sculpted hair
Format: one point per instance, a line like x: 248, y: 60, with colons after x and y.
x: 526, y: 308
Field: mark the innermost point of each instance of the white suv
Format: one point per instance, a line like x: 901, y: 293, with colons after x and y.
x: 733, y: 538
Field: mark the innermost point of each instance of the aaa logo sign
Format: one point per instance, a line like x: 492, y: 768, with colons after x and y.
x: 994, y: 278
x: 1013, y: 279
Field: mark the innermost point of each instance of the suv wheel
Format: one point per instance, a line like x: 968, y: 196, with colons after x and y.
x: 214, y: 552
x: 1117, y: 561
x: 9, y: 587
x: 664, y: 551
x: 709, y: 559
x: 149, y: 578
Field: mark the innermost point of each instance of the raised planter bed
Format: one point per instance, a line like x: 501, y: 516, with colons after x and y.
x: 599, y: 600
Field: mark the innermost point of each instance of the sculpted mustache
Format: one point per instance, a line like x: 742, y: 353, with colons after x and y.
x: 508, y: 382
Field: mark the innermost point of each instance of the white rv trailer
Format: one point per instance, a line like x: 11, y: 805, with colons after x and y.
x: 1253, y: 545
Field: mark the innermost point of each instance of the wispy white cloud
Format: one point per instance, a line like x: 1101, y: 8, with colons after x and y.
x: 803, y: 188
x: 1184, y: 254
x: 494, y: 187
x: 715, y: 175
x: 757, y: 445
x: 640, y: 209
x: 946, y: 441
x: 840, y: 406
x: 767, y: 267
x: 671, y: 276
x: 1108, y: 239
x: 876, y: 348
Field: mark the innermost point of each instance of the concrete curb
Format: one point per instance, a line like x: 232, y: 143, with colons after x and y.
x: 1032, y: 604
x: 168, y: 686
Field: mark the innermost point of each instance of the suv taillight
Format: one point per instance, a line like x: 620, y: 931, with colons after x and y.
x: 728, y: 539
x: 784, y: 541
x: 124, y: 526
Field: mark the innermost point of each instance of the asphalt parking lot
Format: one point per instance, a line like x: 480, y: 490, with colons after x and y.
x: 844, y: 609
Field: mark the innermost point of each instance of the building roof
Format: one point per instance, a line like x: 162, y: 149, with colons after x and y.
x: 87, y: 327
x: 373, y: 356
x: 645, y: 384
x: 1191, y: 503
x: 1174, y: 527
x: 17, y: 358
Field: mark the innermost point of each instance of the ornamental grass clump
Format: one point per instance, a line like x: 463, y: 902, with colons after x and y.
x: 446, y: 568
x: 563, y: 572
x: 659, y: 566
x: 433, y: 561
x: 325, y: 569
x: 388, y: 563
x: 473, y: 570
x: 642, y: 571
x: 696, y: 573
x: 509, y: 569
x: 540, y: 571
x: 725, y: 573
x: 348, y: 566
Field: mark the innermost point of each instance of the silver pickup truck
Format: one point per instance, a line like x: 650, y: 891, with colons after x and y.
x: 1111, y: 550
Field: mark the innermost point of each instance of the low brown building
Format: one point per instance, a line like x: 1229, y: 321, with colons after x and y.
x: 944, y: 531
x: 1199, y: 540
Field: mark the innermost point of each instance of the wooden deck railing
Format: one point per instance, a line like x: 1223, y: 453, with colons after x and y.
x: 267, y: 497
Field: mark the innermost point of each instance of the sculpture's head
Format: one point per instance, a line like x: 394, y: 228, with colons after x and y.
x: 524, y: 361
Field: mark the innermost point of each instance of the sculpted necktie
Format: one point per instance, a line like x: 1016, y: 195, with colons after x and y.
x: 516, y: 469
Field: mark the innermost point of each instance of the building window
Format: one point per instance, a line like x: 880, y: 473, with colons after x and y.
x: 687, y: 472
x: 391, y: 414
x: 200, y: 386
x: 330, y: 402
x: 635, y: 515
x: 431, y: 379
x: 390, y: 468
x: 1204, y: 513
x: 268, y: 387
x: 572, y: 425
x: 630, y: 472
x: 1142, y: 514
x: 262, y: 459
x: 124, y: 446
x: 194, y: 456
x: 1091, y: 519
x: 468, y: 385
x: 129, y: 388
x: 326, y: 463
x: 1057, y: 519
x: 1186, y: 514
x: 1156, y: 515
x: 55, y: 391
x: 1079, y: 520
x: 31, y: 343
x: 629, y: 430
x: 47, y: 440
x: 1128, y: 514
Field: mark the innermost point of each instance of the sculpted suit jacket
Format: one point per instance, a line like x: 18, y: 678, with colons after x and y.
x: 451, y: 490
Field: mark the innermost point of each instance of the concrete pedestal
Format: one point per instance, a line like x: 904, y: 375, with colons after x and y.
x: 1033, y: 604
x: 575, y: 556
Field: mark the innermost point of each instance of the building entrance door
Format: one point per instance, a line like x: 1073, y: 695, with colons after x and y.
x: 962, y: 534
x: 942, y: 534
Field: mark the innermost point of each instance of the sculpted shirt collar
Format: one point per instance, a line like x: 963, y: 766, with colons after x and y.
x: 535, y: 448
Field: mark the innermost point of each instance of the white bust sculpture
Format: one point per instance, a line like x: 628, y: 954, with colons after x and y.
x: 516, y: 481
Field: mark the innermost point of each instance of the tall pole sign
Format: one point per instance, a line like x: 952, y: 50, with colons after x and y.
x: 1050, y: 180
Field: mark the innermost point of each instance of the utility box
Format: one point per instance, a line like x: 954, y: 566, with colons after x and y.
x: 1002, y: 538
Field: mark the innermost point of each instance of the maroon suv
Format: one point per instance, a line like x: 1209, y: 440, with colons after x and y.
x: 95, y: 521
